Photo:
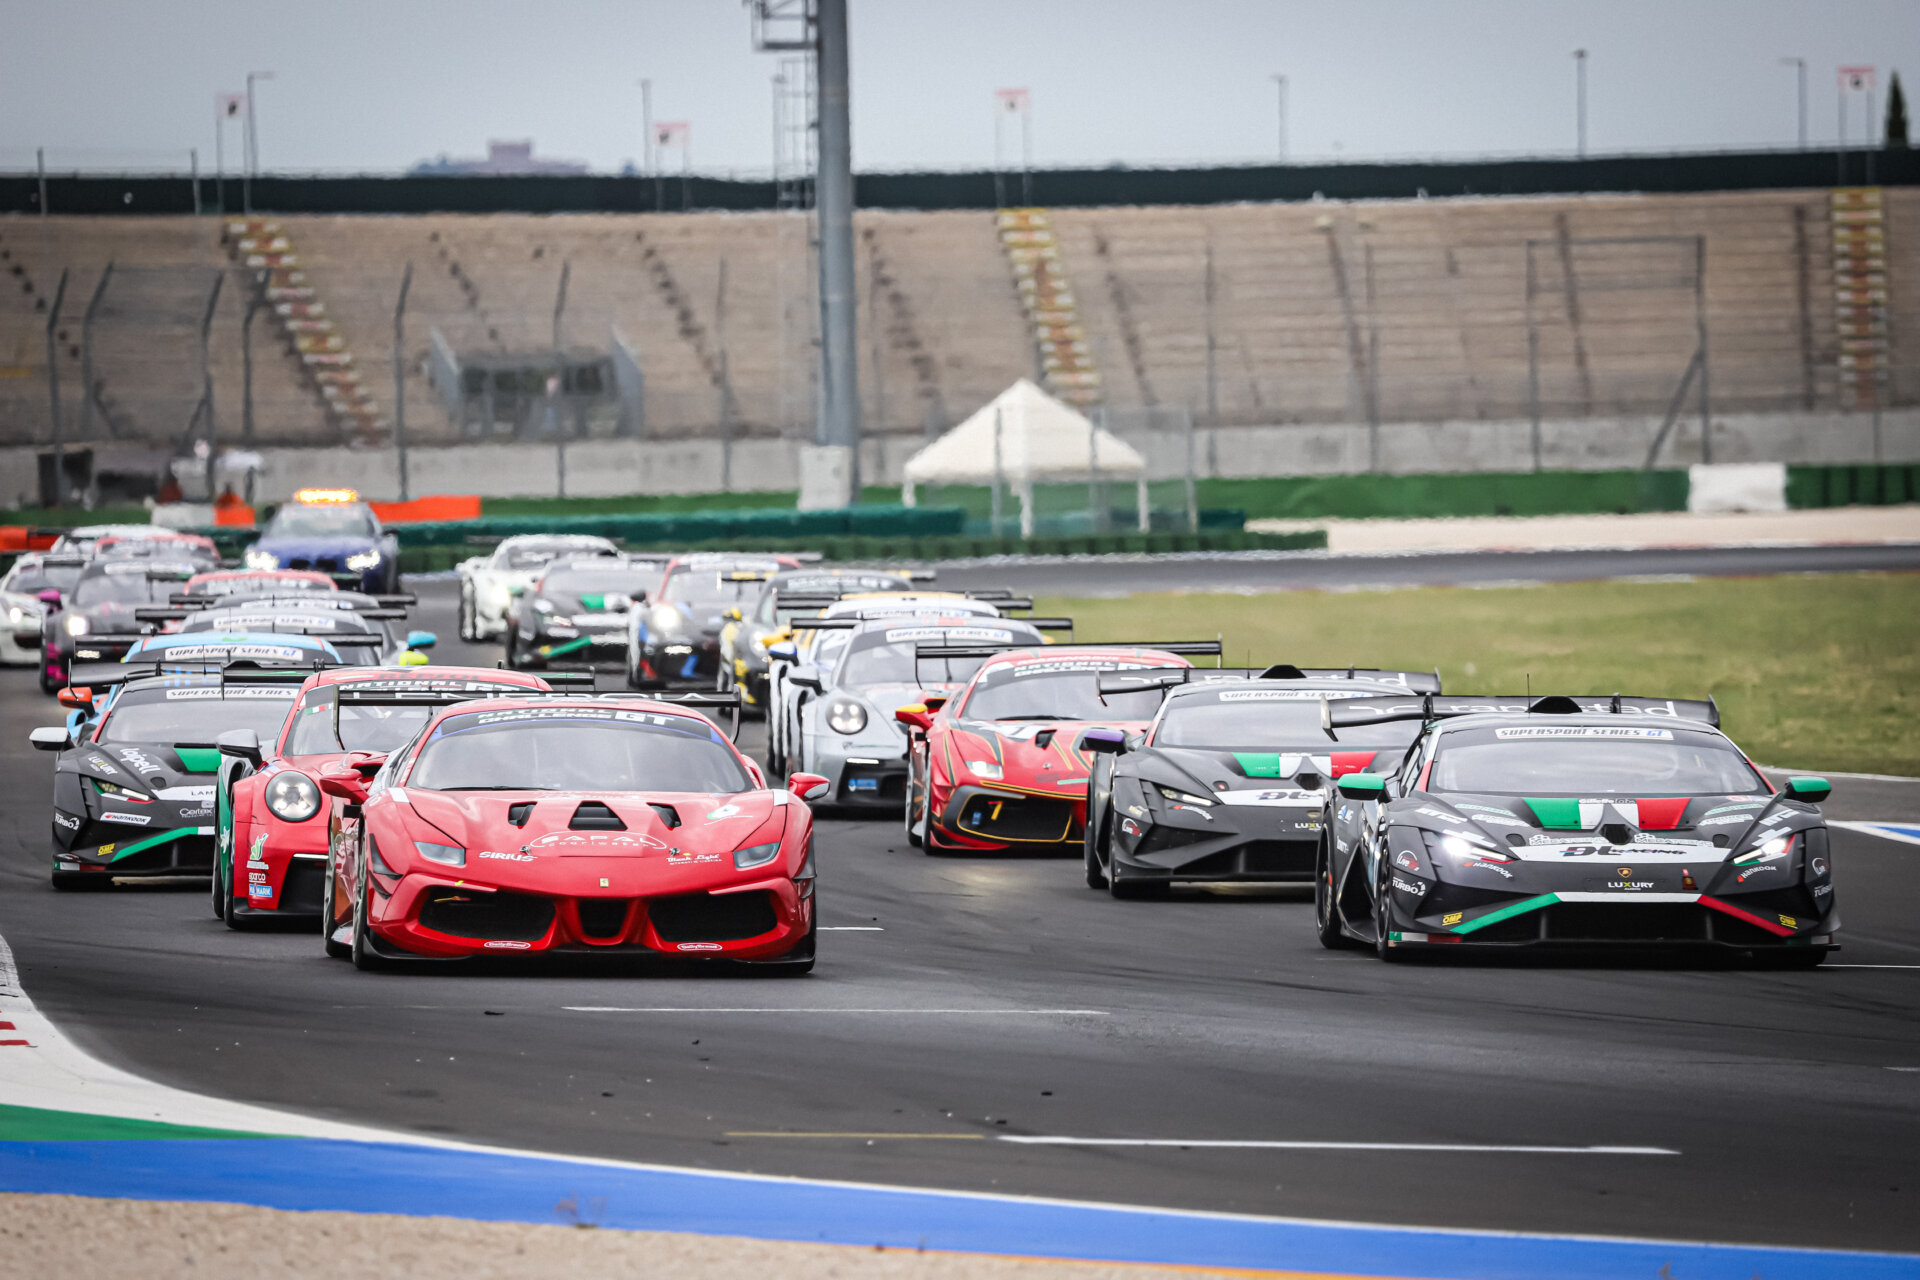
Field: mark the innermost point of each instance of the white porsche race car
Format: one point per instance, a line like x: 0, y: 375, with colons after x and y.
x: 487, y: 582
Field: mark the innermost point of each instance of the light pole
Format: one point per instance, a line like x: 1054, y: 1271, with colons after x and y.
x: 1800, y: 68
x: 646, y: 123
x: 1580, y: 98
x: 253, y: 142
x: 1280, y: 83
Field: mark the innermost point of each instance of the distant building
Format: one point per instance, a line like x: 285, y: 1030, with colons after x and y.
x: 503, y: 158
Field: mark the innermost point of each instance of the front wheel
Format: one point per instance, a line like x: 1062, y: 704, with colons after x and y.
x: 1326, y: 916
x: 361, y: 950
x: 1096, y: 874
x: 1383, y: 916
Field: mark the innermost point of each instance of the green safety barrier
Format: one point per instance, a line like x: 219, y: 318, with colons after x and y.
x: 1867, y: 484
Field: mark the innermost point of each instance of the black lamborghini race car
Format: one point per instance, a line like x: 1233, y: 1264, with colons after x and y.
x: 133, y: 795
x: 1231, y: 781
x: 1572, y: 822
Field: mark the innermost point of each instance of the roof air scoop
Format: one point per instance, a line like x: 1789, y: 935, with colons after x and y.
x: 595, y: 816
x: 1555, y: 705
x: 1617, y: 833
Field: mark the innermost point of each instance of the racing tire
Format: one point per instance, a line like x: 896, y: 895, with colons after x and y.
x: 361, y: 951
x: 911, y: 820
x: 1096, y: 874
x: 1326, y: 916
x: 469, y: 624
x: 513, y: 648
x: 81, y: 882
x: 1784, y: 960
x: 218, y: 912
x: 1382, y: 909
x: 220, y: 886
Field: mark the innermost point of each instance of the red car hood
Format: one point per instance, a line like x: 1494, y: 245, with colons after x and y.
x: 548, y: 855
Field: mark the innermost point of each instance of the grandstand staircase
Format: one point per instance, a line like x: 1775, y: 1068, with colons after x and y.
x: 1066, y: 360
x: 1860, y: 293
x: 262, y: 246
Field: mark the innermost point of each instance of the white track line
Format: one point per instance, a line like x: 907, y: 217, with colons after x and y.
x: 852, y: 928
x: 1880, y: 829
x: 1257, y: 1145
x: 1056, y: 1013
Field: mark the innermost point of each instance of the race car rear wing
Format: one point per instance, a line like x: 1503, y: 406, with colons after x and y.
x: 348, y: 695
x: 854, y: 620
x: 1336, y: 714
x: 1184, y: 648
x: 1131, y: 682
x: 102, y: 675
x: 325, y: 599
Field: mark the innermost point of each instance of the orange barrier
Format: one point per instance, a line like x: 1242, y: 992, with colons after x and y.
x: 20, y: 537
x: 238, y: 515
x: 439, y: 506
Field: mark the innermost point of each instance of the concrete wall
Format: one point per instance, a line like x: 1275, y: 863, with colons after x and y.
x: 611, y: 468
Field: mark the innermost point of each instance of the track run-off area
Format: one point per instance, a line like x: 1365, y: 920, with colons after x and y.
x: 989, y: 1025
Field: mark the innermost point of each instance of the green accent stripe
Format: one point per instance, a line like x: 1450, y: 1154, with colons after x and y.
x: 199, y: 759
x: 1258, y: 764
x: 554, y: 651
x: 1557, y: 815
x: 595, y: 601
x: 1508, y: 912
x: 32, y: 1124
x: 147, y: 842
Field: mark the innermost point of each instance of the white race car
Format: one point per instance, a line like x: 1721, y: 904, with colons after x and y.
x: 21, y: 609
x: 487, y: 582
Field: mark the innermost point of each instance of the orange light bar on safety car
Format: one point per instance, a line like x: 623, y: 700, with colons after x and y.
x: 315, y: 497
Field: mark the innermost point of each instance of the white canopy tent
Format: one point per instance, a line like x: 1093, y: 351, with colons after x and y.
x: 1022, y: 436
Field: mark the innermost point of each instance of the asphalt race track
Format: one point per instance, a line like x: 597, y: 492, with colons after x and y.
x: 963, y: 1005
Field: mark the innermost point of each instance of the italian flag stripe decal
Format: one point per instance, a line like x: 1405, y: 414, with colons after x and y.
x: 1508, y: 912
x: 1259, y: 764
x: 1557, y: 815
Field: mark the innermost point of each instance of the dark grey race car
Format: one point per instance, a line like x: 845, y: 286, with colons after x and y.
x: 1230, y: 783
x: 1573, y: 822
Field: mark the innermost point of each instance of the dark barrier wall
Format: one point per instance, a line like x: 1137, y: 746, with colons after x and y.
x: 1725, y: 171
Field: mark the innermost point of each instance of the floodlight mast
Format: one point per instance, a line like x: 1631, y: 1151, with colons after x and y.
x: 820, y: 28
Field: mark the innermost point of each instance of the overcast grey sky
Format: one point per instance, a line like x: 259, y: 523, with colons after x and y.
x: 377, y: 85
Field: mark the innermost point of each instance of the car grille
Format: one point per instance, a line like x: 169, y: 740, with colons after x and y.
x: 603, y: 917
x: 509, y: 917
x: 1029, y: 819
x: 325, y: 564
x: 1256, y: 858
x: 702, y: 917
x: 304, y: 884
x: 1627, y: 922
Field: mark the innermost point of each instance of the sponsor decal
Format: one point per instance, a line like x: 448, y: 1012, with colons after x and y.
x: 505, y: 857
x: 1287, y: 797
x: 1628, y: 885
x: 1750, y: 872
x: 987, y: 635
x: 1346, y: 812
x: 130, y: 819
x: 657, y: 719
x: 1732, y: 820
x: 1281, y: 695
x: 567, y: 841
x: 1643, y: 852
x: 1772, y: 818
x: 1738, y: 805
x: 1490, y: 866
x: 203, y: 794
x: 726, y: 811
x: 234, y: 652
x: 1484, y: 808
x: 1406, y: 860
x: 106, y: 850
x: 498, y: 945
x: 1821, y: 891
x: 66, y: 820
x: 1587, y: 731
x: 1408, y: 886
x: 1056, y: 666
x: 137, y: 760
x: 1818, y: 866
x: 102, y: 764
x: 699, y: 946
x: 202, y: 812
x: 1136, y: 811
x: 1452, y: 917
x: 256, y: 877
x: 1129, y: 827
x: 259, y: 891
x: 1789, y: 922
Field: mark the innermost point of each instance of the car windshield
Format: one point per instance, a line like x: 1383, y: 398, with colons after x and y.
x: 888, y: 656
x: 31, y: 579
x: 304, y: 520
x: 612, y: 588
x: 254, y: 583
x: 1048, y: 691
x: 121, y: 583
x: 361, y: 728
x: 532, y: 555
x: 708, y: 588
x: 1262, y: 720
x: 577, y: 749
x: 196, y: 715
x: 1537, y: 761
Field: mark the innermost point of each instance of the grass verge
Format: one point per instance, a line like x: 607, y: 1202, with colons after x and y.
x: 1812, y: 672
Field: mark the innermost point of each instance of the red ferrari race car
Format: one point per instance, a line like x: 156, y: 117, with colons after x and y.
x: 581, y: 825
x: 271, y: 825
x: 1000, y: 765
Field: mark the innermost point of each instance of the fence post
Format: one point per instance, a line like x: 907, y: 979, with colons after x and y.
x: 246, y: 365
x: 399, y: 379
x: 193, y: 164
x: 1533, y: 361
x: 40, y: 163
x: 1700, y: 321
x: 1213, y: 380
x: 1096, y: 501
x: 206, y: 386
x: 556, y: 383
x: 53, y: 387
x: 1373, y: 368
x: 1193, y: 499
x: 86, y: 353
x: 998, y: 470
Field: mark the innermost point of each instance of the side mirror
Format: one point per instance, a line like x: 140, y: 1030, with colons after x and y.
x: 808, y: 786
x: 1362, y: 786
x: 733, y: 614
x: 349, y: 778
x: 934, y: 703
x: 81, y: 698
x: 915, y: 715
x: 51, y: 738
x: 1110, y: 742
x: 784, y: 651
x: 49, y: 598
x: 422, y: 639
x: 241, y: 744
x: 806, y: 677
x: 1811, y: 790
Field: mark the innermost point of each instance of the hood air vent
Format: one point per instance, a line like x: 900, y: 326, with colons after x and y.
x: 518, y: 813
x: 594, y: 816
x: 668, y: 815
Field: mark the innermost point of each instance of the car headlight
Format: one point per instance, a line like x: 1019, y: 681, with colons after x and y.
x: 292, y: 796
x: 450, y: 855
x: 127, y: 794
x: 985, y: 769
x: 844, y: 715
x: 14, y: 615
x: 1465, y: 850
x: 361, y: 561
x: 756, y: 855
x: 1772, y: 851
x: 261, y: 560
x: 1184, y: 797
x: 498, y: 596
x: 76, y: 625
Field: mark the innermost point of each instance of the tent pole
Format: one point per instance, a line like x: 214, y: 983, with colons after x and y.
x: 907, y: 494
x: 1140, y: 501
x: 1026, y: 507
